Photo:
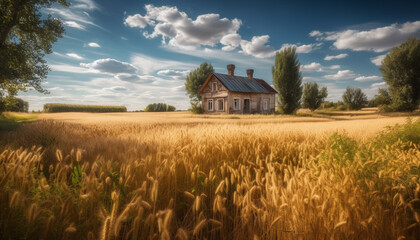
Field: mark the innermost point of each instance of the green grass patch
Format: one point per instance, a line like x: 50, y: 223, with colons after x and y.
x: 10, y: 121
x: 61, y: 107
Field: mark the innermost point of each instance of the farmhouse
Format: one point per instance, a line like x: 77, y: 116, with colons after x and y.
x: 228, y: 93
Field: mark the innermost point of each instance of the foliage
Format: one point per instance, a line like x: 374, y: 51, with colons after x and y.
x: 159, y: 107
x: 354, y: 98
x: 195, y: 80
x: 406, y: 133
x: 13, y: 104
x: 334, y: 106
x: 287, y: 80
x: 177, y: 179
x: 400, y: 70
x: 196, y: 107
x: 62, y: 107
x: 312, y: 96
x: 25, y: 38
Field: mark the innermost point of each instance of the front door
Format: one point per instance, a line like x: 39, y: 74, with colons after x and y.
x: 247, y: 106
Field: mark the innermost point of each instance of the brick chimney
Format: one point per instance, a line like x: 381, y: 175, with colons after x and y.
x: 250, y: 73
x: 231, y: 69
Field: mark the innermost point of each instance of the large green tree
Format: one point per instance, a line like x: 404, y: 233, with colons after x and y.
x: 287, y: 80
x: 312, y: 96
x: 193, y: 83
x: 26, y: 35
x: 354, y: 98
x: 401, y: 71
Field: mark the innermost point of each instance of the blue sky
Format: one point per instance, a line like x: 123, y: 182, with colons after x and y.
x: 134, y: 52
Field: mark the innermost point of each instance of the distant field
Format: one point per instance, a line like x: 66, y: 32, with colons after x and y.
x: 323, y: 175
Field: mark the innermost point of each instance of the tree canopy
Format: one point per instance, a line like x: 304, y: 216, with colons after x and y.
x: 194, y: 81
x: 287, y: 80
x: 312, y: 96
x: 26, y: 35
x: 401, y: 71
x: 354, y: 98
x: 159, y: 107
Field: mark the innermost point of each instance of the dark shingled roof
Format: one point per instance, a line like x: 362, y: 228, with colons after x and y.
x: 244, y: 84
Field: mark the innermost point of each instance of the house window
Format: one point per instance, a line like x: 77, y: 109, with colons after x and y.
x: 265, y: 106
x: 220, y: 105
x: 236, y: 104
x: 210, y: 104
x: 214, y: 86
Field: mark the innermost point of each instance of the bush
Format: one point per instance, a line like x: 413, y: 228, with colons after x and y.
x: 354, y: 98
x: 13, y: 104
x: 196, y: 108
x: 159, y: 107
x: 61, y: 107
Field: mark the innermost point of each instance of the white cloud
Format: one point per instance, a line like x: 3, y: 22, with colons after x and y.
x: 135, y: 78
x: 74, y: 24
x: 339, y: 56
x: 230, y: 41
x: 69, y: 68
x: 317, y: 67
x: 173, y: 73
x: 136, y: 20
x: 149, y: 64
x: 93, y: 44
x: 111, y: 66
x: 85, y: 4
x: 367, y: 78
x: 257, y: 47
x: 343, y: 74
x: 376, y: 85
x: 75, y: 56
x: 182, y: 31
x: 305, y: 48
x: 312, y: 67
x: 378, y: 60
x: 377, y: 39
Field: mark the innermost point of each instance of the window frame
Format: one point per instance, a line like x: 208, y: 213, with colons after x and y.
x: 214, y: 86
x: 239, y: 103
x: 208, y: 105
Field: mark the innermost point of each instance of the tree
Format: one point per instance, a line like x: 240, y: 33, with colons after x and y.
x: 159, y: 107
x: 14, y: 104
x: 25, y: 38
x: 287, y: 80
x: 193, y: 83
x: 383, y: 97
x: 312, y: 96
x: 400, y: 70
x: 354, y: 98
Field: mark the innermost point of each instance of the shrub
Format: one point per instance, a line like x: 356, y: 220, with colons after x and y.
x: 159, y: 107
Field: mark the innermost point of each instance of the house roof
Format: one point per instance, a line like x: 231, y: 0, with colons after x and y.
x: 242, y: 84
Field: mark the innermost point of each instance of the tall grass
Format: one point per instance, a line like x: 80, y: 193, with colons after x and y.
x: 207, y: 181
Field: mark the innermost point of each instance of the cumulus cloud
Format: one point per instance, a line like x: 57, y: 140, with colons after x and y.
x: 377, y: 85
x: 367, y: 78
x: 230, y: 41
x: 149, y: 64
x: 173, y: 74
x: 317, y: 67
x: 74, y: 24
x: 378, y: 60
x: 94, y: 45
x: 111, y: 66
x: 257, y: 47
x: 182, y: 31
x: 339, y: 56
x: 377, y: 39
x: 305, y: 48
x: 136, y: 20
x: 75, y: 56
x: 343, y: 74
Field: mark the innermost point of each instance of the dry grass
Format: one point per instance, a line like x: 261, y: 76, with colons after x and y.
x: 182, y: 176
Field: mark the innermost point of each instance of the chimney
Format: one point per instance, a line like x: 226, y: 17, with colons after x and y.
x: 231, y: 69
x: 250, y: 73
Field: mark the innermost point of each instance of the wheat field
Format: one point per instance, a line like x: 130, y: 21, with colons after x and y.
x: 183, y: 176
